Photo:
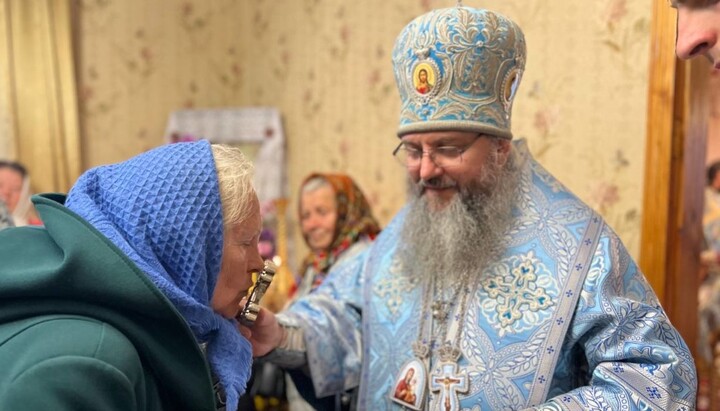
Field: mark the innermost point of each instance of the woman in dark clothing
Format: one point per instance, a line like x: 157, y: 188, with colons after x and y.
x: 126, y: 299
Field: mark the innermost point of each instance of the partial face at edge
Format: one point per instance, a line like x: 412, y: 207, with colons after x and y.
x: 240, y: 258
x: 11, y: 184
x: 698, y: 29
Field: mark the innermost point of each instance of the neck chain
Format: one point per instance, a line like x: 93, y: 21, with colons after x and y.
x: 445, y: 380
x: 439, y: 328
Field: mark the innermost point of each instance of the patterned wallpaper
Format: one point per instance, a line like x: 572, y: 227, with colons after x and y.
x: 326, y: 65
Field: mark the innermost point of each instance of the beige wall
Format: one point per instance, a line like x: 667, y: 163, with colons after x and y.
x: 326, y: 65
x: 7, y: 132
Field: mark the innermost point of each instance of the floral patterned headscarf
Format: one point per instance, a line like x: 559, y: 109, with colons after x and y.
x: 354, y: 220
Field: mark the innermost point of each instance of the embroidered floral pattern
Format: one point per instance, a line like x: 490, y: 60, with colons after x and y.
x: 595, y: 272
x: 392, y: 288
x: 519, y: 293
x: 494, y: 370
x: 446, y: 43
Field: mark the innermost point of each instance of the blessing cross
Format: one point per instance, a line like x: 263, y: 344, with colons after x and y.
x: 448, y: 382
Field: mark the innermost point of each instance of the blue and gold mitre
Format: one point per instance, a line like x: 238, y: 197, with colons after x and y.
x: 458, y: 69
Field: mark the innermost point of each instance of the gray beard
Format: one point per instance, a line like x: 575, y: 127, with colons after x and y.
x: 464, y: 237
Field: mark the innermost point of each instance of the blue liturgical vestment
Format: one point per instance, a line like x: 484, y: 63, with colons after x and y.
x: 564, y: 320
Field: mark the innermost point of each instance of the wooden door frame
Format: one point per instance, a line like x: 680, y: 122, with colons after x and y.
x: 674, y: 175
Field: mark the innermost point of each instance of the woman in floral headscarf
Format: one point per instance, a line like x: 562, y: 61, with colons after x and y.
x: 336, y: 222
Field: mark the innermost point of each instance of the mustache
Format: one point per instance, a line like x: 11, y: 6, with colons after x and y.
x: 436, y: 183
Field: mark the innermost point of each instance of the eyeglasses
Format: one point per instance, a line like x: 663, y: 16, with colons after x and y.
x: 411, y: 156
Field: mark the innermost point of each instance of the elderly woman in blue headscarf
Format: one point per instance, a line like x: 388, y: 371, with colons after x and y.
x: 126, y: 299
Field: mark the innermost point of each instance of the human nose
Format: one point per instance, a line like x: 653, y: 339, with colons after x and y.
x: 256, y: 262
x: 693, y: 38
x: 428, y: 166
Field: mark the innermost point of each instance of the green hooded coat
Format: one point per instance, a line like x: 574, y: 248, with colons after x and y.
x: 82, y: 328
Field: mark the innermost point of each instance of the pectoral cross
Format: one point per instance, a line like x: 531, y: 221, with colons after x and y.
x: 448, y: 382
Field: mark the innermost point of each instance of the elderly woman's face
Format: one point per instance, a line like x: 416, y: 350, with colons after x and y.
x: 240, y: 258
x: 318, y: 216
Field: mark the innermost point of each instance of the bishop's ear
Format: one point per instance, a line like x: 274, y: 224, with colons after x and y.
x: 503, y: 150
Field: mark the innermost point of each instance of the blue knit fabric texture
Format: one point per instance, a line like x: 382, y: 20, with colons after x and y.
x: 163, y: 210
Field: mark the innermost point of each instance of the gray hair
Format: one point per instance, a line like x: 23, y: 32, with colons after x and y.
x: 314, y: 183
x: 235, y: 174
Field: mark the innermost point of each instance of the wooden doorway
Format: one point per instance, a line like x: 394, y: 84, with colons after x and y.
x: 678, y: 110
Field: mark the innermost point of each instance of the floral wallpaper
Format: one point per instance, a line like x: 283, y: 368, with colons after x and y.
x: 326, y: 65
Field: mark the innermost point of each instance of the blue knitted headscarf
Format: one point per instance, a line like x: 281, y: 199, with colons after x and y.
x: 163, y: 210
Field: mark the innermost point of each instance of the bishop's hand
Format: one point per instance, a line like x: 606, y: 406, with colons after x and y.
x: 265, y: 335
